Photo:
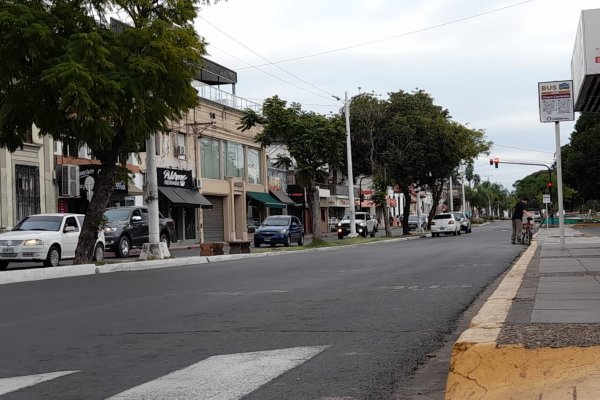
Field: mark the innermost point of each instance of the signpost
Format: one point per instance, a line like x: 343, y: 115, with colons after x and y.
x: 546, y: 201
x: 556, y: 104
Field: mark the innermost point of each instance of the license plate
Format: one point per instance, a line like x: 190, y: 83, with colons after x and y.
x: 7, y: 250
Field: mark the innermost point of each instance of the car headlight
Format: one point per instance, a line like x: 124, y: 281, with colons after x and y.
x: 33, y: 242
x: 283, y: 231
x: 109, y: 229
x: 362, y: 224
x: 339, y: 224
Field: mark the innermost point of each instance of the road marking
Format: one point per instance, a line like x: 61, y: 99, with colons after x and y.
x: 226, y: 377
x: 8, y: 385
x: 416, y: 288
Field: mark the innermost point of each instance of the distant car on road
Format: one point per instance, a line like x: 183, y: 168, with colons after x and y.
x: 413, y: 222
x: 279, y: 229
x: 445, y: 223
x: 365, y: 225
x: 537, y: 217
x: 47, y: 238
x: 464, y: 221
x: 127, y: 227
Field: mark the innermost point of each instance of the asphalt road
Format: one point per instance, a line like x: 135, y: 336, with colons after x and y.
x: 373, y: 312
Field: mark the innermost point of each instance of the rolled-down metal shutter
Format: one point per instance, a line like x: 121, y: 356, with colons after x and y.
x: 214, y: 226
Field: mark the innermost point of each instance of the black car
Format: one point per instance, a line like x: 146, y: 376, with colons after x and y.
x: 127, y: 227
x: 283, y: 229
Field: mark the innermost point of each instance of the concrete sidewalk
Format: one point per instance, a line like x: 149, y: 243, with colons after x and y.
x: 538, y: 336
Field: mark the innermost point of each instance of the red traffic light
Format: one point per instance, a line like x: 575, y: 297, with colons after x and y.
x: 549, y: 184
x: 496, y: 161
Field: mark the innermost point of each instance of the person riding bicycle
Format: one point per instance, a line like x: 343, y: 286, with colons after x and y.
x: 517, y: 220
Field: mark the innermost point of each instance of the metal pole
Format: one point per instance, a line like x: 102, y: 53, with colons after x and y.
x: 462, y: 180
x: 559, y: 189
x: 352, y: 207
x: 547, y: 217
x: 451, y: 197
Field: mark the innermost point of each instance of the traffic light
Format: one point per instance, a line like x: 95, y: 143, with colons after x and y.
x: 549, y: 185
x: 494, y: 161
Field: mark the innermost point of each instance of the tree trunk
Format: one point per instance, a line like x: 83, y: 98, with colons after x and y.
x: 388, y: 228
x: 315, y: 210
x: 406, y: 210
x: 93, y: 217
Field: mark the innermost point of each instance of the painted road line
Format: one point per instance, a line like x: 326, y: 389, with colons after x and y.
x: 8, y: 385
x: 226, y: 377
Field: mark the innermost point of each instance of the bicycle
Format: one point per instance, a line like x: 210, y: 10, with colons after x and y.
x: 527, y: 232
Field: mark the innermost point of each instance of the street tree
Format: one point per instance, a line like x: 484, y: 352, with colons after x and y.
x: 79, y: 81
x: 314, y: 142
x: 580, y: 159
x: 368, y: 121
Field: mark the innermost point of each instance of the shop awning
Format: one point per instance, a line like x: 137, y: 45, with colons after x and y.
x: 185, y: 197
x: 268, y: 201
x: 133, y: 190
x: 282, y: 197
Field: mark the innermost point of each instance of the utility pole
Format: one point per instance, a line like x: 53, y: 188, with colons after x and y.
x: 352, y: 207
x: 451, y: 196
x: 154, y: 249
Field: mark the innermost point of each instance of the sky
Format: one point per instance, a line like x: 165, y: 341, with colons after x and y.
x: 481, y: 60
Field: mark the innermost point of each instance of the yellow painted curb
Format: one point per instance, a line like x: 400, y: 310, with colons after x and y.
x: 485, y: 371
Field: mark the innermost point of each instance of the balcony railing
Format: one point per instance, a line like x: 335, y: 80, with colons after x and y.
x: 222, y: 97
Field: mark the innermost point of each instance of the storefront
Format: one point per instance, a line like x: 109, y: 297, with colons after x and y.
x: 261, y: 204
x: 179, y: 200
x: 77, y: 183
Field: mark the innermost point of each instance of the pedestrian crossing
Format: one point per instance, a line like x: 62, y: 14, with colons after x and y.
x: 222, y: 377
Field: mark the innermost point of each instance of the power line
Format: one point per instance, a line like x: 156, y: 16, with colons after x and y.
x: 520, y: 148
x: 455, y: 21
x: 329, y: 95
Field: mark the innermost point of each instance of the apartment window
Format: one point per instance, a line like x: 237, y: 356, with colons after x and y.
x: 234, y: 161
x: 253, y: 166
x: 210, y: 158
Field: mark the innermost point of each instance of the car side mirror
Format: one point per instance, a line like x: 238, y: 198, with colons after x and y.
x: 136, y: 218
x: 70, y: 229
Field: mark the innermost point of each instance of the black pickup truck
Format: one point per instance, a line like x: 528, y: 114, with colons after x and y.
x: 127, y: 227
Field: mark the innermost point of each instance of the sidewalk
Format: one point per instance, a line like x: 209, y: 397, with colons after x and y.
x: 538, y: 336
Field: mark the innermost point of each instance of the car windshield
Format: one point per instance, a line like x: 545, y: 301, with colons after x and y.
x: 443, y: 216
x: 116, y: 215
x: 356, y: 216
x: 39, y: 223
x: 276, y: 221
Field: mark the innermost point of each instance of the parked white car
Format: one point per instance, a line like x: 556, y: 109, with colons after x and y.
x: 46, y: 238
x: 445, y: 223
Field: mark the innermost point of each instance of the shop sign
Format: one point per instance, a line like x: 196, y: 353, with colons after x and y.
x: 274, y: 183
x: 88, y: 174
x: 174, y: 178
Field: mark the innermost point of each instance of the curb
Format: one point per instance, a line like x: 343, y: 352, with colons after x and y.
x: 67, y: 271
x: 482, y: 369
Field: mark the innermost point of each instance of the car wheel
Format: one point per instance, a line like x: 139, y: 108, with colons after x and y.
x: 459, y: 232
x: 288, y: 240
x: 123, y: 247
x: 99, y: 253
x: 53, y: 258
x: 454, y: 233
x: 164, y: 238
x: 301, y: 241
x: 3, y: 265
x: 365, y: 232
x: 340, y: 235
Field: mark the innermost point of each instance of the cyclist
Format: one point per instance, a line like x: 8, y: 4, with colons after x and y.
x: 517, y: 220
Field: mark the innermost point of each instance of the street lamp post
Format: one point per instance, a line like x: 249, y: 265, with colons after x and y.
x: 360, y: 193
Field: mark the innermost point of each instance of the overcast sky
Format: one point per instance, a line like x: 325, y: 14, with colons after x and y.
x: 481, y: 60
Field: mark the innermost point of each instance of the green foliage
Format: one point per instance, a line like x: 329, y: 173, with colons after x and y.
x: 581, y: 157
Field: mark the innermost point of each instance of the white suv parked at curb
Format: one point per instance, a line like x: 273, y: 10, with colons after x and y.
x: 46, y: 238
x: 445, y: 223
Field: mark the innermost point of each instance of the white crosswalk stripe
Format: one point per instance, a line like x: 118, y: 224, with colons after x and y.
x: 8, y: 385
x: 225, y: 377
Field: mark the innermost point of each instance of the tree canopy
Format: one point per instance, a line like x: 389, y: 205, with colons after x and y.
x: 314, y: 142
x: 82, y: 80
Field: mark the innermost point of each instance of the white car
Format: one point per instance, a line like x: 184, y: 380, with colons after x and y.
x: 445, y: 223
x: 46, y: 238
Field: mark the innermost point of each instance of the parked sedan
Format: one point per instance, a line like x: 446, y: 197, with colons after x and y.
x: 47, y: 238
x: 282, y: 229
x: 414, y: 224
x: 445, y: 223
x: 465, y: 222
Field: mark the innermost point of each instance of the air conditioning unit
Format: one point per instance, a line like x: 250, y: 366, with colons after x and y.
x: 180, y: 150
x: 197, y: 183
x: 70, y: 181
